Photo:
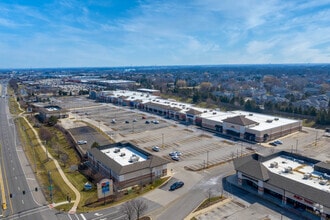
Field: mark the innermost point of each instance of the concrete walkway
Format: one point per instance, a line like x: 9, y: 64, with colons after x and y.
x: 58, y: 167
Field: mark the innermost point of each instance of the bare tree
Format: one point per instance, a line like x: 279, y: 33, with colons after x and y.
x: 139, y: 206
x: 128, y: 209
x: 134, y: 208
x: 45, y: 134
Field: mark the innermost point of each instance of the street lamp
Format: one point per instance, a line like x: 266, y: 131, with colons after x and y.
x: 162, y: 139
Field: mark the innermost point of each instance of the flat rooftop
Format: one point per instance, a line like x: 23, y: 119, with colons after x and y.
x: 124, y: 155
x: 298, y: 170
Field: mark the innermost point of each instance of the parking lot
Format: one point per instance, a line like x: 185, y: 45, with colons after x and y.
x: 200, y: 149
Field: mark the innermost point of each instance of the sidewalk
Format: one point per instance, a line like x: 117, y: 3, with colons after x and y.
x: 58, y: 167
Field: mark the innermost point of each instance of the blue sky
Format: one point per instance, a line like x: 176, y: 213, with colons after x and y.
x: 106, y: 33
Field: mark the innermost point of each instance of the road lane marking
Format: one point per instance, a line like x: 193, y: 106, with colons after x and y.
x: 83, y: 217
x: 22, y: 201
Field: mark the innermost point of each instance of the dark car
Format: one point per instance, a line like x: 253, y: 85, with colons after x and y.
x: 273, y: 144
x: 147, y: 122
x: 176, y: 185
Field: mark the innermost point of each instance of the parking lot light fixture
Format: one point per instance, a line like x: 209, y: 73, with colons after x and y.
x: 162, y: 140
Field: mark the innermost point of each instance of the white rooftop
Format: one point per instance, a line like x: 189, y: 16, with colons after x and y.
x: 262, y: 120
x: 298, y: 170
x: 123, y: 155
x: 265, y: 122
x: 51, y: 109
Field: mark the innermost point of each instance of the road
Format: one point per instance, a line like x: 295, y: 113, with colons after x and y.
x: 187, y: 198
x: 17, y: 195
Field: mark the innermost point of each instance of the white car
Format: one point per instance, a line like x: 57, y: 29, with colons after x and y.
x: 175, y: 157
x: 81, y: 142
x: 155, y: 148
x: 175, y: 153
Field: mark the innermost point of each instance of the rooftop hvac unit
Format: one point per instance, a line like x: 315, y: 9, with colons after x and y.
x: 287, y: 169
x: 133, y: 158
x: 323, y: 182
x: 116, y: 150
x: 274, y: 164
x: 276, y: 119
x: 122, y: 154
x: 250, y: 114
x: 307, y: 176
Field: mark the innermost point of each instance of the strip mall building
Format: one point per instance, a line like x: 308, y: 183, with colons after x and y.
x: 292, y: 179
x: 239, y: 124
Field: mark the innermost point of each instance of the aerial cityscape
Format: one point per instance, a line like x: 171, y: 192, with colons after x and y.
x: 141, y: 110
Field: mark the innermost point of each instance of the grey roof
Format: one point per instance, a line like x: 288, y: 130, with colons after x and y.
x: 194, y: 112
x: 248, y: 164
x: 239, y: 120
x: 163, y: 106
x: 251, y: 165
x: 152, y: 161
x: 324, y: 165
x: 299, y: 188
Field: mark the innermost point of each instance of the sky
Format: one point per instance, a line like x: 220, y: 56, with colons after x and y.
x: 111, y: 33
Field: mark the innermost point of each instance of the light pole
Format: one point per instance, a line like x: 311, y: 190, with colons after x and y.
x: 162, y: 140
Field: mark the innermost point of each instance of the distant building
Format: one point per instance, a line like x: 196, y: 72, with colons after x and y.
x: 126, y: 164
x: 292, y: 179
x: 150, y: 91
x: 47, y: 111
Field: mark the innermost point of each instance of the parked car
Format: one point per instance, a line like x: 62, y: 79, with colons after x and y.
x: 175, y: 153
x: 134, y: 120
x: 176, y: 185
x: 81, y: 142
x: 143, y: 117
x: 156, y: 122
x: 278, y: 142
x: 273, y: 144
x: 147, y: 122
x: 175, y: 157
x: 156, y: 148
x: 126, y: 122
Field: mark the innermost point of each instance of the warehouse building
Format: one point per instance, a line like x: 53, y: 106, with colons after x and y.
x: 288, y: 178
x: 126, y: 164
